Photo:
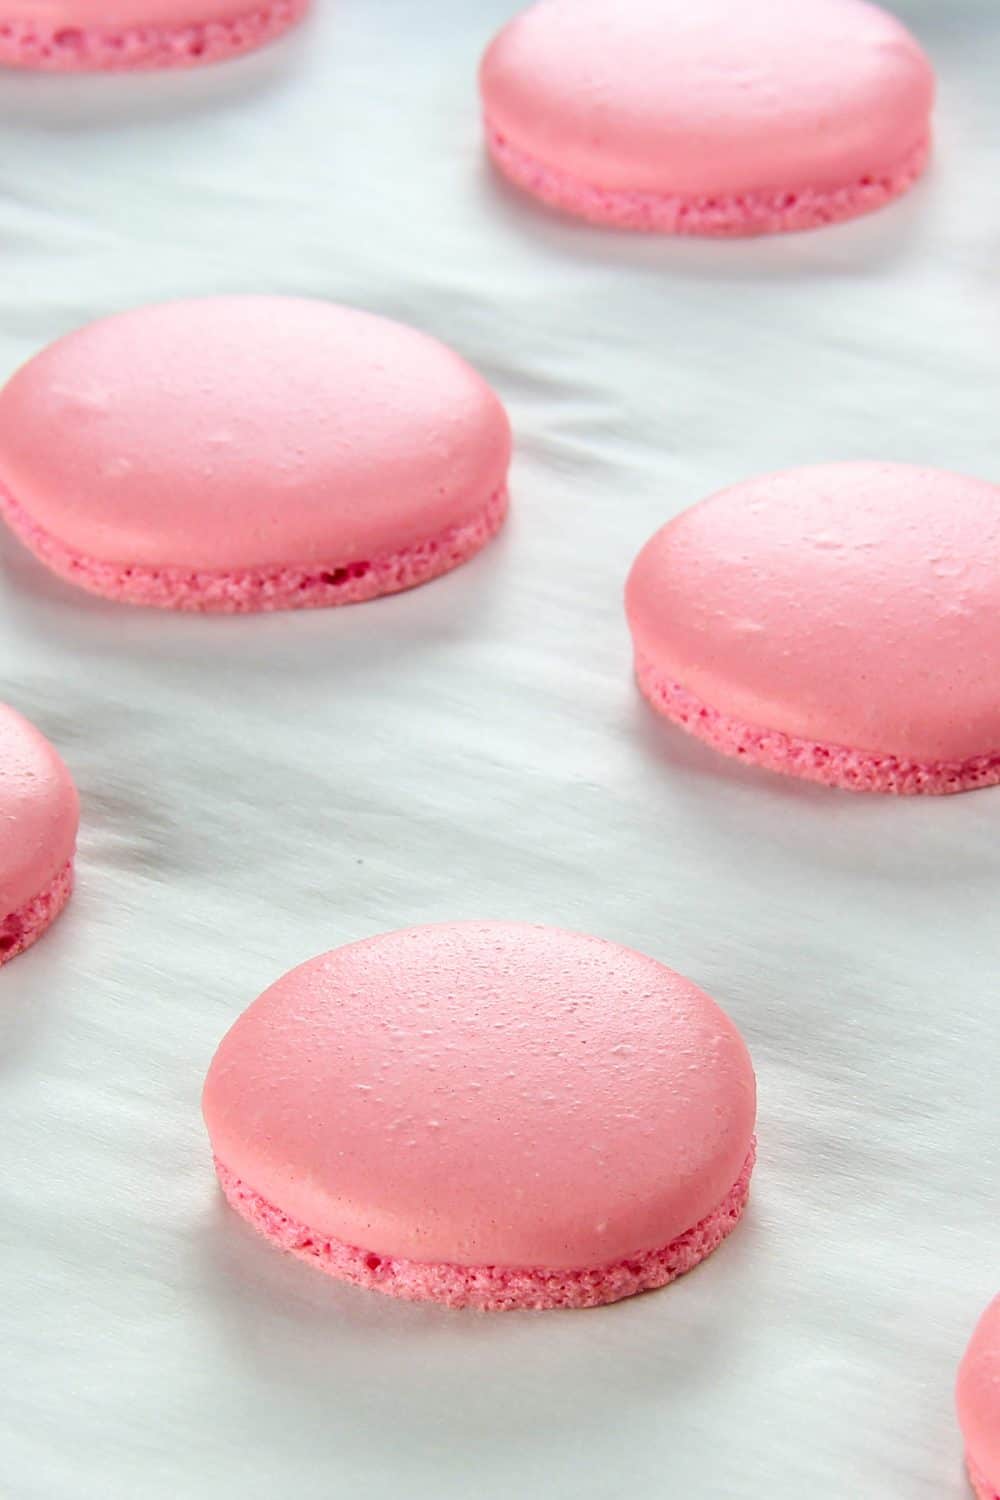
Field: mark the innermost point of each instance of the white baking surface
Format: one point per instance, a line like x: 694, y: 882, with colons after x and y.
x: 258, y: 790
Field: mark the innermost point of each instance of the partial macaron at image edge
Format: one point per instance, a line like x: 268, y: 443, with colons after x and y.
x: 758, y: 620
x: 978, y: 1402
x: 62, y: 45
x: 40, y: 819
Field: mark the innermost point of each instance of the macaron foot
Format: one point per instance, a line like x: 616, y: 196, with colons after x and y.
x: 54, y: 48
x: 719, y: 216
x: 831, y: 765
x: 252, y: 590
x: 23, y: 927
x: 491, y: 1288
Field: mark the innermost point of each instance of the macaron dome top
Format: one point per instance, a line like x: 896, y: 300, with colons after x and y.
x: 163, y: 454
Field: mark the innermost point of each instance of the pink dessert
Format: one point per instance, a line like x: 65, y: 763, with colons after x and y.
x: 720, y: 118
x: 839, y: 623
x: 979, y: 1405
x: 78, y: 36
x: 39, y: 814
x: 486, y: 1114
x: 251, y: 453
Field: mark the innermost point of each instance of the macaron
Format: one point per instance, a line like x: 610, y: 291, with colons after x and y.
x: 82, y: 36
x: 720, y: 118
x: 979, y: 1405
x: 39, y: 815
x: 486, y: 1114
x: 840, y: 623
x: 251, y: 453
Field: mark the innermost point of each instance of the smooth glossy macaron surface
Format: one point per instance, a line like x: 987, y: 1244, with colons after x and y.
x: 39, y: 812
x: 722, y: 97
x: 485, y: 1094
x: 979, y: 1402
x: 248, y: 432
x: 853, y: 605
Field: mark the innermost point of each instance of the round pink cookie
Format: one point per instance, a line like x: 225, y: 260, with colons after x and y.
x: 979, y: 1405
x: 725, y: 117
x: 76, y: 36
x: 251, y: 453
x: 839, y: 623
x: 486, y: 1114
x: 39, y: 814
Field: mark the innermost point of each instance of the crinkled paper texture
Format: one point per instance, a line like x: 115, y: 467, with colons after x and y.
x: 256, y: 790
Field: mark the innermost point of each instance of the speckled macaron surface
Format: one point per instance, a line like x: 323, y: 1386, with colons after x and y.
x: 720, y: 118
x: 488, y: 1114
x: 251, y: 453
x: 79, y: 36
x: 39, y: 814
x: 839, y: 623
x: 979, y: 1404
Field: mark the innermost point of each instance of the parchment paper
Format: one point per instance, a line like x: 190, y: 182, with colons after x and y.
x: 258, y: 790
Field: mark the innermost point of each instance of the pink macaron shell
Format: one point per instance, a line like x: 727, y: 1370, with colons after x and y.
x: 719, y: 215
x: 122, y: 13
x: 39, y: 816
x: 979, y: 1404
x: 719, y: 109
x: 119, y: 35
x: 981, y: 1485
x: 240, y: 433
x: 492, y: 1288
x: 23, y: 926
x: 251, y: 590
x: 486, y: 1095
x: 851, y: 608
